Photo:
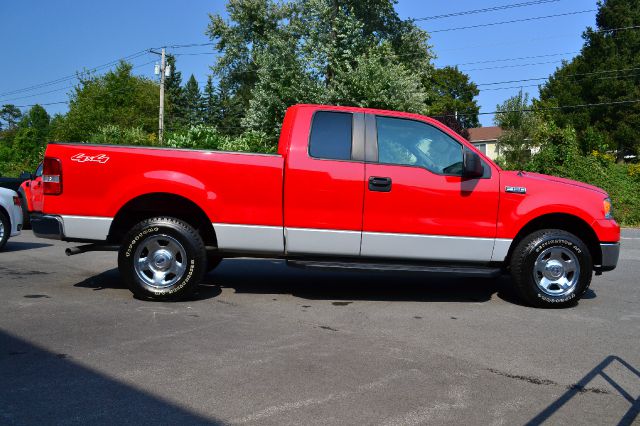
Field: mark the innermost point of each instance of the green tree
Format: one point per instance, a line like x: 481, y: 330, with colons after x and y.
x: 605, y: 71
x: 453, y: 102
x: 274, y: 55
x: 115, y: 98
x: 193, y: 102
x: 22, y: 146
x: 9, y: 116
x: 519, y: 123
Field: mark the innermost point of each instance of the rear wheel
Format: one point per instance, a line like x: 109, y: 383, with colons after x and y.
x: 551, y: 268
x: 163, y: 259
x: 5, y: 229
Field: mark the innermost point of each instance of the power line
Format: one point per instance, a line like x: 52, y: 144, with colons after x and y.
x: 536, y: 85
x: 516, y: 59
x: 62, y: 88
x: 74, y: 76
x: 535, y: 18
x: 182, y: 46
x: 508, y: 66
x: 568, y: 75
x: 487, y: 9
x: 590, y: 105
x: 49, y: 103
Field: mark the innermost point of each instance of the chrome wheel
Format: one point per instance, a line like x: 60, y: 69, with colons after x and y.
x: 160, y: 261
x: 1, y: 230
x: 556, y: 271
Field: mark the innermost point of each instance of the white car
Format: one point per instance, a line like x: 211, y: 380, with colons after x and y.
x: 10, y: 215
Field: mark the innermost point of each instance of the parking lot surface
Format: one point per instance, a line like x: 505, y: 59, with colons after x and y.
x: 262, y: 343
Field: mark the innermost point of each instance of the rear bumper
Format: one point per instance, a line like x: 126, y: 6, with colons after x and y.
x: 15, y: 213
x: 45, y: 226
x: 610, y: 254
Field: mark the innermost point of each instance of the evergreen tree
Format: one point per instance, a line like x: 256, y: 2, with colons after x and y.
x: 175, y: 106
x: 210, y: 106
x: 603, y: 72
x: 193, y: 102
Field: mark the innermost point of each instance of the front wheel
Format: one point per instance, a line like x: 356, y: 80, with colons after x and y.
x: 162, y: 258
x: 551, y: 268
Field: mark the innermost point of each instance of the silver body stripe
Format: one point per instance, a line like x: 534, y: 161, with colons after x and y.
x: 500, y: 249
x: 323, y: 241
x: 267, y: 239
x: 86, y: 227
x: 426, y: 247
x: 270, y: 239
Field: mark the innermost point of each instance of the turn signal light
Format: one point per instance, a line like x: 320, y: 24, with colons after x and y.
x: 52, y: 176
x: 17, y: 201
x: 608, y: 209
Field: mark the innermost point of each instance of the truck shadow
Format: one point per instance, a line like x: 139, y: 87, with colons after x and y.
x: 267, y: 276
x: 21, y: 245
x: 274, y: 277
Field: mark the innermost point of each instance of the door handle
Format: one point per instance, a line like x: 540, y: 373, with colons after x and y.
x: 379, y: 184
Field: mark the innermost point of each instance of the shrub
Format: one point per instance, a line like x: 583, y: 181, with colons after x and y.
x: 116, y: 135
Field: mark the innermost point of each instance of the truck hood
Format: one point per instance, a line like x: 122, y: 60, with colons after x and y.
x: 547, y: 178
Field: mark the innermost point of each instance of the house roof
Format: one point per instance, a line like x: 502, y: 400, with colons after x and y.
x: 477, y: 134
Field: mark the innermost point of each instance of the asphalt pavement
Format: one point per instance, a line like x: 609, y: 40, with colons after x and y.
x: 265, y: 344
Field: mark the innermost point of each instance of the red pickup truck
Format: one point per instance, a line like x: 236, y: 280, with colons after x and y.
x: 349, y: 188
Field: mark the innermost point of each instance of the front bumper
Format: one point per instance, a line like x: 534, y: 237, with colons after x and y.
x: 45, y: 226
x: 610, y: 255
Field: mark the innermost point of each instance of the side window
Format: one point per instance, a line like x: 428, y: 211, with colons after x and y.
x: 331, y: 135
x: 413, y: 143
x: 39, y: 170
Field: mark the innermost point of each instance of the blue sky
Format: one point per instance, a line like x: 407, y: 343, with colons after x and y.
x: 46, y: 40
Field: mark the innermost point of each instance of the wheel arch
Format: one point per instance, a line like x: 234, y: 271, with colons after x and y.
x: 156, y: 204
x: 566, y: 222
x: 7, y: 215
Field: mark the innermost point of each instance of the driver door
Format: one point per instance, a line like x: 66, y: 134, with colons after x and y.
x: 416, y: 204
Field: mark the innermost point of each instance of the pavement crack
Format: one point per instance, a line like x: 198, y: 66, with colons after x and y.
x: 540, y: 381
x: 529, y: 379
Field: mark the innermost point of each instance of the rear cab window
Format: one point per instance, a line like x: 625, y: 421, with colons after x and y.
x: 331, y: 135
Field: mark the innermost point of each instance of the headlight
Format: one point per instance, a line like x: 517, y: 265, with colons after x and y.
x: 608, y: 208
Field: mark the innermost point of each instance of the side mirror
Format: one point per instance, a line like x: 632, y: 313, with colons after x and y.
x: 471, y: 164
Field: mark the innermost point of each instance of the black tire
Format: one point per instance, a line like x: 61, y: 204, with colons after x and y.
x: 173, y: 249
x: 26, y: 219
x: 213, y: 260
x: 556, y: 252
x: 6, y: 229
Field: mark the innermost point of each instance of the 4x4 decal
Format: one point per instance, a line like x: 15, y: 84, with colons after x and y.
x: 82, y: 158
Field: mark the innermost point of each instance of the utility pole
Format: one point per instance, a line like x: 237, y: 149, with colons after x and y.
x: 161, y: 113
x: 164, y: 71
